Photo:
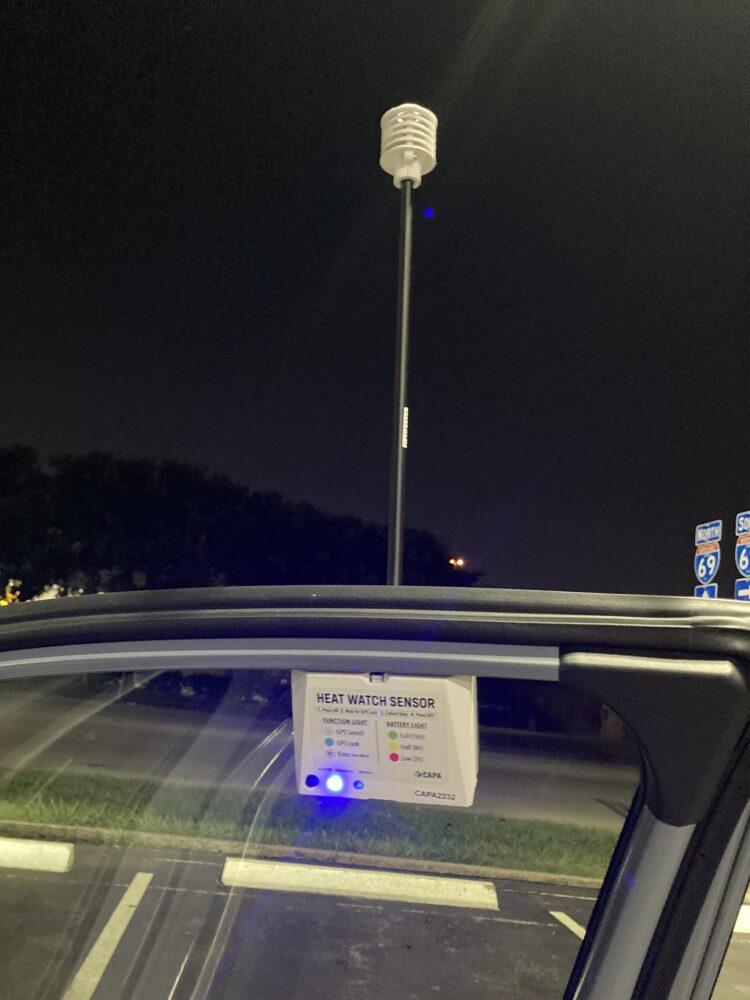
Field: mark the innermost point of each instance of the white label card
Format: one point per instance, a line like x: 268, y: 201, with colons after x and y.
x: 408, y: 739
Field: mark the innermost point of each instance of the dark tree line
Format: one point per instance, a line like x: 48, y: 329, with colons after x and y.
x: 102, y: 522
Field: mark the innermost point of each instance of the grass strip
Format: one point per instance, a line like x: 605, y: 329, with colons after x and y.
x: 266, y: 816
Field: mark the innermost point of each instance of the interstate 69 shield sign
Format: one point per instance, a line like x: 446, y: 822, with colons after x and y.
x: 707, y: 557
x: 742, y: 554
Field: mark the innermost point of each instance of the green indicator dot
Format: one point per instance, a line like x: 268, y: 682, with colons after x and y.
x: 392, y: 735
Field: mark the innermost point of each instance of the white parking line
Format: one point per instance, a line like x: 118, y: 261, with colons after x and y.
x: 359, y: 906
x: 743, y: 921
x: 38, y: 855
x: 91, y: 971
x: 511, y: 920
x: 189, y: 861
x: 285, y: 876
x: 569, y: 922
x: 557, y: 895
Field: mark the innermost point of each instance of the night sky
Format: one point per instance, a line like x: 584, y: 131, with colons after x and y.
x: 199, y: 262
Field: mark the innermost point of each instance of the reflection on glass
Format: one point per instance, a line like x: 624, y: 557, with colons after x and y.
x: 734, y: 979
x: 171, y: 774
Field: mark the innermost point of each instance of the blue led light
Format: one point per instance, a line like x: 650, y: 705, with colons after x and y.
x: 429, y: 213
x: 312, y: 780
x: 359, y: 785
x: 334, y: 783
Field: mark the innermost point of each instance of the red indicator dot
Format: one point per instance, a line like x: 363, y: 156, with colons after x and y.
x: 394, y: 756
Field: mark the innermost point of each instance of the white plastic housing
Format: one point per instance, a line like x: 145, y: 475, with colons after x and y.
x: 408, y: 143
x: 378, y: 736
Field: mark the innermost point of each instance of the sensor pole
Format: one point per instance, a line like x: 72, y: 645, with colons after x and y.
x: 407, y: 151
x: 400, y: 438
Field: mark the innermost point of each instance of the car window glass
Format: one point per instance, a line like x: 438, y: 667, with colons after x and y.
x: 167, y: 783
x: 734, y: 978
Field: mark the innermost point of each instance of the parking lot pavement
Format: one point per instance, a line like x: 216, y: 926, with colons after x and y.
x: 191, y: 936
x: 160, y: 925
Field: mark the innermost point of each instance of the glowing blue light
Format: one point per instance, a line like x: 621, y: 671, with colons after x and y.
x: 334, y: 783
x: 429, y: 213
x: 359, y: 785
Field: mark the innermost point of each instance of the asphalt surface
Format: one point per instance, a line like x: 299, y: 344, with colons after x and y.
x: 191, y: 937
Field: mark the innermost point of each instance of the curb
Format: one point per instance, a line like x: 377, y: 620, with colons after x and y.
x: 36, y: 855
x: 99, y: 835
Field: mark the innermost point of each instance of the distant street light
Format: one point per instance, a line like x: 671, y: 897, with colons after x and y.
x: 407, y: 152
x: 458, y: 562
x: 11, y: 594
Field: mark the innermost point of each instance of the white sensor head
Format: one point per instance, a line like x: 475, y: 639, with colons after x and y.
x: 408, y: 143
